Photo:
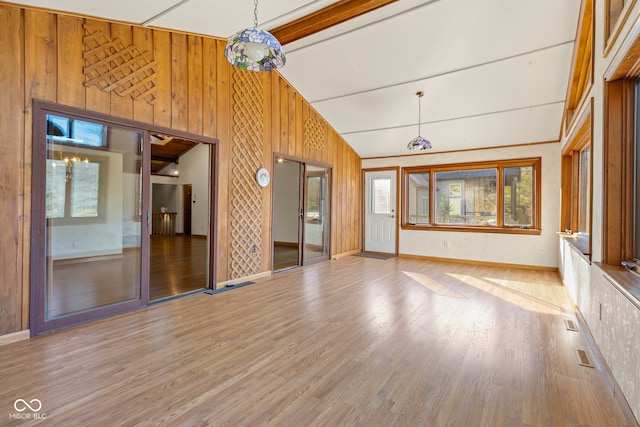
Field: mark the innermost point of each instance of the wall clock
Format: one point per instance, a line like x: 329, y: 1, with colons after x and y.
x: 263, y: 177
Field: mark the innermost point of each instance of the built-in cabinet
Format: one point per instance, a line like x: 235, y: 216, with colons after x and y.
x: 613, y: 320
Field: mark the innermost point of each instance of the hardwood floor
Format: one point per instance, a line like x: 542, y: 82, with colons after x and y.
x: 356, y: 341
x: 284, y: 256
x: 178, y: 264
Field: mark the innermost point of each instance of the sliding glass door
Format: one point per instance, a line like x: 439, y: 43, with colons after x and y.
x: 316, y: 214
x: 89, y: 181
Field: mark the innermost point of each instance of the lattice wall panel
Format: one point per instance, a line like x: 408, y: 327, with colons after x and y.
x: 314, y: 134
x: 246, y: 195
x: 114, y: 67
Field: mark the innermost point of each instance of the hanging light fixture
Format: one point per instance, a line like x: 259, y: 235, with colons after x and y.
x: 255, y: 49
x: 419, y: 143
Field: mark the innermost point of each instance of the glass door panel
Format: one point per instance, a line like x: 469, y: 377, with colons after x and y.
x: 316, y: 214
x: 93, y: 217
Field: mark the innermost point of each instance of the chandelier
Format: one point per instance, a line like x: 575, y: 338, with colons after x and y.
x: 254, y: 48
x: 419, y: 143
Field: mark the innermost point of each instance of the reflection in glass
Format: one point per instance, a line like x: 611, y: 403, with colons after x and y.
x: 466, y: 197
x: 93, y: 228
x: 316, y: 224
x: 518, y: 196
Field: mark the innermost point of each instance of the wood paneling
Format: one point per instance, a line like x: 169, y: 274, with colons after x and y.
x: 143, y: 40
x: 194, y: 94
x: 11, y: 156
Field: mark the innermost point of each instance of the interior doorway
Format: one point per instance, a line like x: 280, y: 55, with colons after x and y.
x: 301, y: 213
x: 181, y: 171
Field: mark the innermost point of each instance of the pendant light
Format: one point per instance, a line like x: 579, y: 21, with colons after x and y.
x: 254, y: 49
x: 419, y: 143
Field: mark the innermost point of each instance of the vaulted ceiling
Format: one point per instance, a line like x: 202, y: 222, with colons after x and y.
x: 494, y: 72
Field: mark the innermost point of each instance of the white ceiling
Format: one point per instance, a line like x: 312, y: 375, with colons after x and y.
x: 494, y: 72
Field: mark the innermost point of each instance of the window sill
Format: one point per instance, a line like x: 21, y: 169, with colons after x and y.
x: 625, y: 281
x: 579, y: 244
x: 481, y: 229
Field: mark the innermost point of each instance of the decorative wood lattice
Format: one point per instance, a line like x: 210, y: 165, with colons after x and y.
x: 112, y: 66
x: 314, y: 134
x: 246, y: 197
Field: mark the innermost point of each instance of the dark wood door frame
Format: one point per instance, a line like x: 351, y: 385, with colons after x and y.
x: 187, y: 190
x: 301, y: 197
x: 38, y: 323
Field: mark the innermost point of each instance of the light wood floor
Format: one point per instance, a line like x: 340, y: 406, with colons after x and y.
x: 356, y: 341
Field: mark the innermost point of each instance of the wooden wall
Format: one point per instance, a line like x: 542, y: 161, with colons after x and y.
x: 41, y: 56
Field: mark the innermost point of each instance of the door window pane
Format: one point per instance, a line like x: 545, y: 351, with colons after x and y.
x: 93, y: 237
x: 381, y: 196
x: 518, y: 196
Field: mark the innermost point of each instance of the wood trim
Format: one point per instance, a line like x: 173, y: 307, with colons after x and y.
x: 497, y: 147
x: 475, y: 262
x: 15, y: 337
x: 611, y: 36
x: 324, y: 18
x: 624, y: 63
x: 581, y: 77
x: 565, y: 197
x: 499, y: 165
x: 345, y: 254
x: 618, y: 153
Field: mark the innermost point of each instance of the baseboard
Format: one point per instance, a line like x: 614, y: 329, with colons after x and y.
x: 15, y: 337
x: 344, y: 254
x: 485, y: 263
x: 244, y: 279
x: 602, y: 363
x: 199, y: 236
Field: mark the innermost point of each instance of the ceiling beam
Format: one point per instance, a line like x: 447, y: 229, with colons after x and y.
x: 322, y: 19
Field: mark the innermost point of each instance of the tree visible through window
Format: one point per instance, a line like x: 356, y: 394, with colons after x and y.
x: 483, y: 196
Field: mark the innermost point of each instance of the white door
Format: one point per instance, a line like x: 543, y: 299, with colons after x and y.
x: 380, y: 211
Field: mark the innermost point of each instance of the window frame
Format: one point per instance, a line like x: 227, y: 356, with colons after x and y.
x: 500, y: 227
x: 580, y: 139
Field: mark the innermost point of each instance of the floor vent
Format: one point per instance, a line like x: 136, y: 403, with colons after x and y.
x: 583, y: 358
x: 570, y: 325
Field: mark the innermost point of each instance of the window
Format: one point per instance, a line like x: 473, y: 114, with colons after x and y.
x: 487, y: 196
x: 73, y: 188
x: 75, y: 132
x: 381, y: 195
x: 576, y: 183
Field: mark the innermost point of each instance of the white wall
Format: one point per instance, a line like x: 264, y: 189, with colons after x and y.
x: 103, y: 236
x: 194, y: 170
x: 532, y: 250
x: 286, y: 189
